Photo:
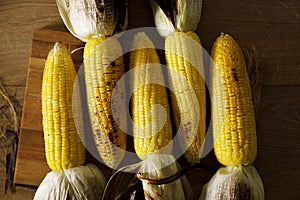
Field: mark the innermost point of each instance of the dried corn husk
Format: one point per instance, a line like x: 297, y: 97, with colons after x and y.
x: 187, y: 14
x: 84, y: 182
x: 234, y: 183
x: 162, y: 21
x: 181, y: 15
x: 91, y: 18
x: 158, y: 167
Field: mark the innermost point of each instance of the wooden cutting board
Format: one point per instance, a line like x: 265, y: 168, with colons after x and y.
x: 31, y: 166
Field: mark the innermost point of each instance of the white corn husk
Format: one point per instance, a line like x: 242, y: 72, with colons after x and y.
x: 157, y: 167
x: 234, y: 183
x: 84, y: 182
x: 91, y: 18
x: 163, y: 23
x: 186, y: 16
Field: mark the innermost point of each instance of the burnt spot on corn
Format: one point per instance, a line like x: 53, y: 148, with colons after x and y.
x: 234, y: 74
x: 187, y: 127
x: 101, y: 8
x: 110, y: 137
x: 113, y: 63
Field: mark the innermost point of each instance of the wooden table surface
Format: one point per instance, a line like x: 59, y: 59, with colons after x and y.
x: 273, y: 27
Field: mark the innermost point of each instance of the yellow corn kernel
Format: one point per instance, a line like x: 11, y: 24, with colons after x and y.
x: 184, y: 59
x: 233, y: 118
x: 63, y: 146
x: 152, y: 130
x: 103, y: 67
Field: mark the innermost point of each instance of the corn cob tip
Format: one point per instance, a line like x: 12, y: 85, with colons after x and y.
x: 59, y: 48
x: 141, y: 41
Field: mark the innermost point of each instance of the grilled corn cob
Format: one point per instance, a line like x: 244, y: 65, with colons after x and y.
x: 152, y: 130
x: 232, y: 108
x: 233, y: 126
x: 94, y: 22
x: 103, y: 67
x: 185, y: 70
x: 63, y: 146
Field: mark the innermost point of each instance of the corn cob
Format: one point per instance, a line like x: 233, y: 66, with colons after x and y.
x: 233, y: 126
x: 93, y: 22
x: 232, y: 108
x: 103, y: 67
x: 184, y: 58
x: 65, y: 152
x: 152, y: 130
x: 63, y: 146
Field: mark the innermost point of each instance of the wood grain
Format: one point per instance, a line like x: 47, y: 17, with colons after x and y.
x: 18, y: 20
x: 21, y: 193
x: 278, y: 124
x: 278, y: 141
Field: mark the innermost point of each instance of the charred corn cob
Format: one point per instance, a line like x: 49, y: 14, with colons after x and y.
x: 185, y: 70
x: 63, y: 146
x: 152, y: 128
x: 103, y: 67
x: 233, y: 117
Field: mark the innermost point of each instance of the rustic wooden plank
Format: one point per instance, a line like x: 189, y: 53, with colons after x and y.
x: 47, y: 35
x: 279, y: 75
x: 42, y: 44
x: 21, y: 193
x: 18, y: 20
x: 249, y: 11
x: 31, y: 166
x: 32, y: 112
x: 278, y: 127
x: 280, y: 182
x: 278, y: 141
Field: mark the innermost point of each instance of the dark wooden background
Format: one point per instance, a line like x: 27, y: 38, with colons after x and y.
x: 273, y: 27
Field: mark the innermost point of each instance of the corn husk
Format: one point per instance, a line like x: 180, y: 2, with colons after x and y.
x: 234, y: 183
x: 158, y: 167
x: 181, y: 15
x: 91, y: 18
x: 84, y: 182
x: 162, y: 21
x: 187, y: 14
